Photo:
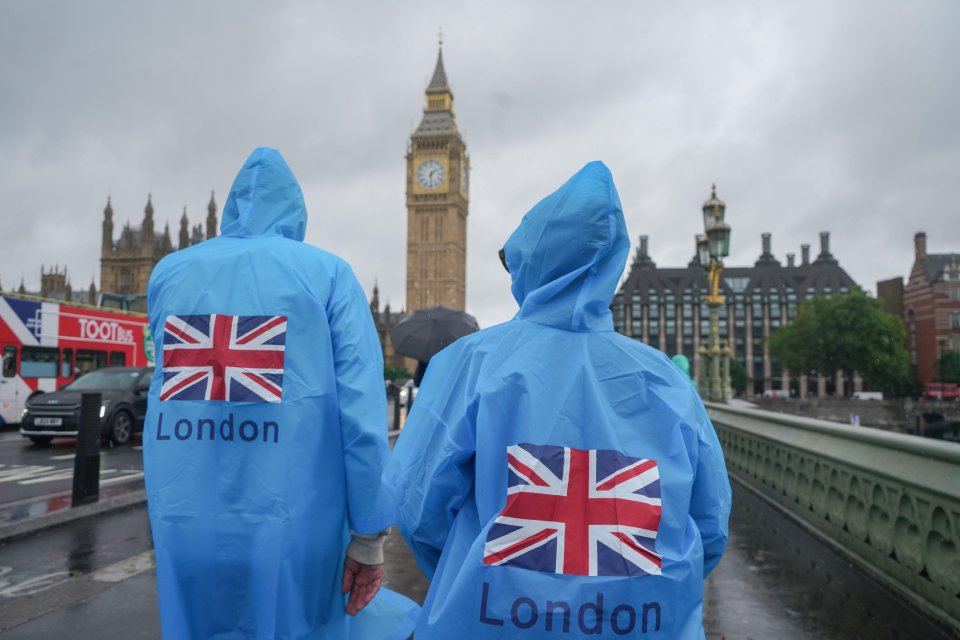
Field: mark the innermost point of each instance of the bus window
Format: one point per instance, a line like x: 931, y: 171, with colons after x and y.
x: 88, y: 360
x: 39, y: 362
x: 66, y: 364
x: 9, y: 361
x: 117, y: 359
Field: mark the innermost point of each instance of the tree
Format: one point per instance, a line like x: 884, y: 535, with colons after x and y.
x: 850, y: 333
x: 738, y: 376
x: 948, y: 367
x: 393, y: 373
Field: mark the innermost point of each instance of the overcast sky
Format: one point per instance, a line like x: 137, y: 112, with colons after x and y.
x: 809, y: 116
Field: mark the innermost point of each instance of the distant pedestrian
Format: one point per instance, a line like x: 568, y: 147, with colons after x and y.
x: 265, y: 428
x: 556, y: 477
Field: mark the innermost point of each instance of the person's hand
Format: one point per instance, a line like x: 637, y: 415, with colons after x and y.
x: 361, y: 581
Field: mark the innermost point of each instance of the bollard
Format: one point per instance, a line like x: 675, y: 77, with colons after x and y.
x: 86, y: 462
x: 396, y: 410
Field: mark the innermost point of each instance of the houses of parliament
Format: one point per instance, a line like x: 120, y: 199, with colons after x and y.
x: 437, y: 201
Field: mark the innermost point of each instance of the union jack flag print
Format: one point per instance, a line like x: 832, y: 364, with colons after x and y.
x: 582, y: 512
x: 219, y: 357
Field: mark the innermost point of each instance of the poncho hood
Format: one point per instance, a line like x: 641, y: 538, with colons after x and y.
x: 265, y: 199
x: 568, y: 253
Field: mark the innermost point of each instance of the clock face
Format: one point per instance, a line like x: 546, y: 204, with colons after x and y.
x: 430, y: 174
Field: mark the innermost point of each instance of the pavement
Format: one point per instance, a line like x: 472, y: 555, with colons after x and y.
x: 775, y: 582
x: 88, y: 569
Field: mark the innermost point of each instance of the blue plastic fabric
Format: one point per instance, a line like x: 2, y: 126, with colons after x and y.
x: 251, y: 500
x: 558, y: 379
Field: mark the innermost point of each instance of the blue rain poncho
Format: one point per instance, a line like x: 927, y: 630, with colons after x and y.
x: 266, y: 423
x: 556, y: 478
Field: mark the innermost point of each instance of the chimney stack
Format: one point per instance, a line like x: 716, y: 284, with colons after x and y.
x: 805, y: 254
x: 643, y: 245
x: 920, y: 245
x: 824, y: 243
x: 766, y: 243
x: 790, y: 260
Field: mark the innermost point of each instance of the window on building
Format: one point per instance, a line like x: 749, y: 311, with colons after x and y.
x: 9, y: 361
x: 955, y: 320
x: 66, y: 364
x: 687, y: 327
x: 687, y: 310
x: 954, y: 293
x: 636, y: 328
x: 736, y: 285
x: 635, y: 310
x: 618, y: 314
x: 438, y: 230
x: 118, y: 359
x: 670, y: 310
x: 775, y: 311
x: 39, y: 362
x: 126, y: 281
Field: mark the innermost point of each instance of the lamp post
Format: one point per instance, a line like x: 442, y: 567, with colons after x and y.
x: 711, y: 249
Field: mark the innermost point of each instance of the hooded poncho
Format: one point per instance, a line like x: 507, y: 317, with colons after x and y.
x: 266, y: 423
x: 556, y: 478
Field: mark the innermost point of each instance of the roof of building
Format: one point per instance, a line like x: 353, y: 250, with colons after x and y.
x: 765, y: 277
x: 438, y: 83
x: 936, y: 263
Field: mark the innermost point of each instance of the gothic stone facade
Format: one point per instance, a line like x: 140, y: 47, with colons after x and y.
x: 126, y: 264
x: 438, y: 173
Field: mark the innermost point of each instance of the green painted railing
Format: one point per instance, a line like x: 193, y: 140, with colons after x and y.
x: 890, y: 501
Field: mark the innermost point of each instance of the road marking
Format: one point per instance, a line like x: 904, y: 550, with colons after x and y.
x: 117, y: 572
x: 67, y: 474
x: 31, y: 585
x: 66, y: 456
x: 16, y: 472
x: 133, y: 475
x: 125, y: 569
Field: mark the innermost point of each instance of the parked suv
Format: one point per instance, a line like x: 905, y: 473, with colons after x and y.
x: 123, y: 406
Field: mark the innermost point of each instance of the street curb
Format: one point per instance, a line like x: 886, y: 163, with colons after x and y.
x: 63, y: 516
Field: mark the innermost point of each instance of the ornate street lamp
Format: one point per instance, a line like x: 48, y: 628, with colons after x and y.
x: 711, y: 249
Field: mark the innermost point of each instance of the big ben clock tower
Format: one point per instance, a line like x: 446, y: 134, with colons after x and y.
x: 438, y: 171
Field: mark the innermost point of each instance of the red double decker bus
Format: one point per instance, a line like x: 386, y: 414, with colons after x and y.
x: 941, y: 391
x: 46, y: 344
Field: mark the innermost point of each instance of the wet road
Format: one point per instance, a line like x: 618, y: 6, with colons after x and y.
x: 776, y: 581
x: 29, y: 473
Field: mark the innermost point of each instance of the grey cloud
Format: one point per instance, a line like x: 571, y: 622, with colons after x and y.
x: 809, y: 116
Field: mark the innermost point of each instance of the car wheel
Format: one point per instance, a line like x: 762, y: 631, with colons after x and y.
x: 121, y: 428
x: 41, y: 441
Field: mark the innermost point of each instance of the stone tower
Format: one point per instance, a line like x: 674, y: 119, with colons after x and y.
x: 126, y: 263
x: 438, y: 171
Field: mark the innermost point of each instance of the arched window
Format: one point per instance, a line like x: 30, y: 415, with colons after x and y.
x: 126, y: 281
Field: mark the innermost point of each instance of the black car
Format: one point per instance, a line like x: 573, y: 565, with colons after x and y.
x: 123, y: 406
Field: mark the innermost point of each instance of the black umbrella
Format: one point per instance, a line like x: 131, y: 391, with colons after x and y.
x: 425, y: 332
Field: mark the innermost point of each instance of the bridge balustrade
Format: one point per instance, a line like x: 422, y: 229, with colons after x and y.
x: 890, y: 502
